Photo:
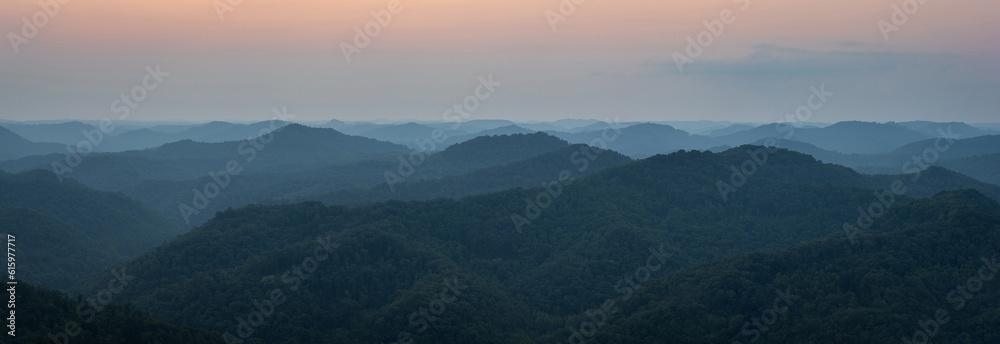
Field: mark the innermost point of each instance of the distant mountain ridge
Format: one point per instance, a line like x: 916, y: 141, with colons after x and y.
x: 342, y: 181
x: 291, y: 148
x: 13, y: 146
x: 849, y: 137
x: 934, y: 129
x: 67, y: 133
x: 579, y: 160
x: 852, y: 137
x: 409, y: 133
x: 211, y: 132
x: 124, y: 138
x: 975, y: 157
x: 505, y: 130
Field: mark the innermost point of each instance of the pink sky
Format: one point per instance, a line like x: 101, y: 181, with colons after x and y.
x: 606, y: 58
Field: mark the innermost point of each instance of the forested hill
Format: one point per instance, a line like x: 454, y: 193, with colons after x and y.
x: 486, y: 151
x: 13, y: 146
x: 975, y: 156
x: 924, y: 274
x: 48, y: 316
x: 781, y: 164
x: 69, y: 230
x: 292, y: 148
x: 579, y: 160
x: 983, y: 167
x: 507, y: 267
x: 110, y: 218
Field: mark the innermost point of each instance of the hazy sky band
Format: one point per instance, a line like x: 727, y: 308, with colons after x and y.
x: 605, y: 59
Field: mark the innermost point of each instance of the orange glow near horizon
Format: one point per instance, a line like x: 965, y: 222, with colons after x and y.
x: 453, y: 25
x: 606, y: 57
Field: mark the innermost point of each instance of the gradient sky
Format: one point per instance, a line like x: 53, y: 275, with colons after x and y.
x: 609, y: 58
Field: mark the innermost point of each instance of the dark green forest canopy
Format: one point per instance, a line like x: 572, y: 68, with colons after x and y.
x: 68, y: 231
x: 393, y: 259
x: 48, y: 316
x: 928, y: 260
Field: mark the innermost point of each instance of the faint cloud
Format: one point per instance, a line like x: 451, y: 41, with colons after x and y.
x: 849, y: 43
x: 769, y: 62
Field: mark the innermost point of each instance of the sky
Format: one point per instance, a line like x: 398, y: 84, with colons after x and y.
x: 239, y: 60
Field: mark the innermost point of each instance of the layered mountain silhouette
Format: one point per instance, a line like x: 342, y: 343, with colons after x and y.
x: 488, y: 231
x: 13, y: 146
x: 385, y: 261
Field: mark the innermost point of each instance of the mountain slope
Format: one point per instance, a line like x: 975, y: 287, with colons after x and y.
x: 292, y: 145
x: 860, y: 137
x: 168, y: 196
x: 68, y: 133
x: 732, y: 129
x: 52, y: 253
x: 296, y: 161
x: 481, y: 125
x: 485, y: 151
x: 82, y: 229
x: 961, y: 148
x: 880, y: 290
x: 806, y: 168
x: 108, y: 218
x: 577, y: 160
x: 934, y: 129
x: 293, y: 148
x: 45, y: 315
x: 499, y: 131
x: 975, y: 157
x: 984, y: 167
x: 176, y: 200
x: 640, y: 140
x: 367, y: 269
x: 850, y: 137
x: 13, y: 146
x: 212, y: 132
x: 407, y: 134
